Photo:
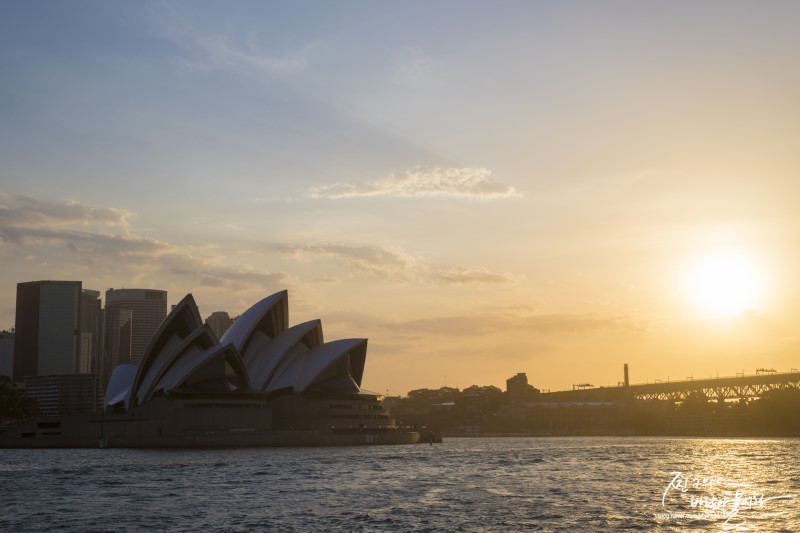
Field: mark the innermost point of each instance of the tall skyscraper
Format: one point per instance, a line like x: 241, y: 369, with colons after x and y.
x: 91, y: 333
x: 47, y: 340
x: 118, y: 324
x: 148, y: 309
x: 219, y: 321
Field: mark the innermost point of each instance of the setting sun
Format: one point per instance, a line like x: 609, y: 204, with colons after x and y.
x: 725, y: 285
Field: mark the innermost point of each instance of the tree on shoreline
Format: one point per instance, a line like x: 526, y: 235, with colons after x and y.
x: 14, y: 405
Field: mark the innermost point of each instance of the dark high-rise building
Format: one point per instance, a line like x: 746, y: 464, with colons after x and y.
x: 148, y: 309
x: 118, y: 324
x: 91, y: 333
x: 47, y: 340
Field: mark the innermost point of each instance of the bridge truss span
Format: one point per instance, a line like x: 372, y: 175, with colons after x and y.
x: 740, y: 387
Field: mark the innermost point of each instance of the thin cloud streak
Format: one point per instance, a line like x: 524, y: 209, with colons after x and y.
x: 393, y: 263
x: 421, y: 182
x: 216, y: 51
x: 546, y: 324
x: 499, y: 322
x: 461, y: 275
x: 382, y: 261
x: 84, y: 241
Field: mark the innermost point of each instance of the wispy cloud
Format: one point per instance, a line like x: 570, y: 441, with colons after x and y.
x: 78, y: 237
x: 208, y: 50
x: 25, y: 210
x: 102, y: 240
x: 209, y: 272
x: 392, y: 263
x: 96, y: 231
x: 491, y: 322
x: 107, y: 244
x: 462, y: 275
x: 415, y: 68
x: 383, y: 261
x: 472, y: 183
x: 503, y: 322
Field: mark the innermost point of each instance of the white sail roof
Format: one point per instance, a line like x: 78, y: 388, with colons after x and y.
x: 193, y: 369
x: 258, y: 353
x: 270, y: 316
x: 201, y: 339
x: 119, y: 386
x: 300, y: 372
x: 297, y: 339
x: 179, y: 324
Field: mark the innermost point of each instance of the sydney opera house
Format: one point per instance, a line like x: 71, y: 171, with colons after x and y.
x: 262, y: 384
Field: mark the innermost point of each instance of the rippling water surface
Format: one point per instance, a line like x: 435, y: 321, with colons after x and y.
x: 493, y: 484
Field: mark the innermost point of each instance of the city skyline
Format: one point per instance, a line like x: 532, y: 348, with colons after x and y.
x: 554, y: 188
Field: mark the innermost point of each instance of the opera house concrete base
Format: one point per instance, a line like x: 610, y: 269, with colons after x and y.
x: 77, y: 429
x: 201, y: 422
x: 262, y: 384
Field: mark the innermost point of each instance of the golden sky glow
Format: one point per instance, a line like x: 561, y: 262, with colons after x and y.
x: 555, y: 188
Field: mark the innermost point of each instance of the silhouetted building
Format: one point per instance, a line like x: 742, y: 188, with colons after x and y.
x: 47, y: 340
x: 6, y: 353
x: 517, y: 386
x: 118, y: 327
x: 91, y: 332
x: 219, y: 321
x: 148, y: 308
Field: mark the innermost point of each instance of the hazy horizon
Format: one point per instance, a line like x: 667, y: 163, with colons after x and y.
x: 555, y: 188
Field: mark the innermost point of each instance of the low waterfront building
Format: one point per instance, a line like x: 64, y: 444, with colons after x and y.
x: 65, y: 394
x: 7, y: 353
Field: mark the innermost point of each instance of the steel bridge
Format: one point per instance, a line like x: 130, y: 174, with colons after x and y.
x: 725, y: 388
x: 729, y: 388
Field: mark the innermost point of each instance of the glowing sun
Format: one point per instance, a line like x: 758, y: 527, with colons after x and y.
x: 725, y: 285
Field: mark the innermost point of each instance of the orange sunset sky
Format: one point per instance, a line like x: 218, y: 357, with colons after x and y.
x: 481, y: 189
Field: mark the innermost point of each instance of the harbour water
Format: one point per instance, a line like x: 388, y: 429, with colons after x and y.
x: 477, y: 484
